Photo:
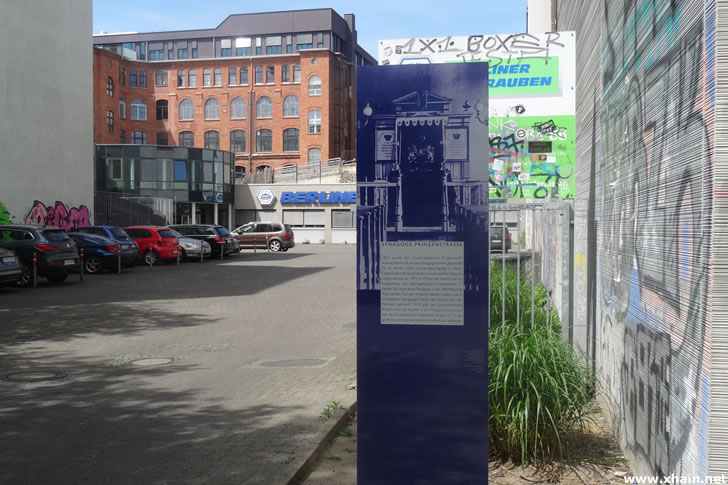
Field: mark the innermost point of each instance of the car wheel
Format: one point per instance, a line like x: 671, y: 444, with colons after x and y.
x: 274, y: 245
x: 284, y: 249
x: 151, y: 257
x: 92, y: 265
x: 57, y: 278
x: 26, y: 277
x: 183, y: 256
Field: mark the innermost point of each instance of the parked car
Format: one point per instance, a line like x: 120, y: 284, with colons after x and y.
x: 155, y: 243
x: 274, y: 235
x: 217, y: 236
x: 191, y: 248
x: 117, y: 234
x: 10, y: 267
x: 498, y: 240
x: 55, y: 251
x: 100, y: 252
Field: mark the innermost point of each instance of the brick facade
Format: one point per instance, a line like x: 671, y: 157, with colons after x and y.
x: 336, y: 103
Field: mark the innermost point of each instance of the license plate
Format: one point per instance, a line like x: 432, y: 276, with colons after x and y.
x: 496, y: 240
x: 8, y: 260
x: 69, y: 262
x: 174, y: 251
x: 124, y: 247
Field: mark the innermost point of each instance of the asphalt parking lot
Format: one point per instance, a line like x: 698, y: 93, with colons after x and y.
x: 246, y: 354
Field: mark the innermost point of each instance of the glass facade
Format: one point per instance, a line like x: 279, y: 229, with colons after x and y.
x: 185, y: 174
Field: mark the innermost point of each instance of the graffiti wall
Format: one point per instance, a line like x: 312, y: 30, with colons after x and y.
x: 531, y: 105
x: 58, y: 214
x: 645, y: 155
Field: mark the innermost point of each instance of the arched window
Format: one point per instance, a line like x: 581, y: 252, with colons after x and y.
x: 237, y: 109
x: 109, y: 86
x: 264, y: 107
x: 314, y: 157
x: 264, y: 141
x: 212, y: 109
x: 186, y: 139
x: 186, y: 110
x: 162, y: 110
x: 314, y: 86
x: 237, y: 141
x: 206, y: 77
x: 138, y: 137
x: 290, y: 140
x: 290, y: 106
x: 314, y: 122
x: 138, y: 110
x: 212, y: 140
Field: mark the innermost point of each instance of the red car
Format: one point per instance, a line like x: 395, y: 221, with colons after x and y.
x: 155, y: 243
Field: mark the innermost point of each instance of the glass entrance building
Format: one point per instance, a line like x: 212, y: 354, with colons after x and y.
x: 196, y: 182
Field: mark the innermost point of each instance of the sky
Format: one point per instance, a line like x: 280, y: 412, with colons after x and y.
x: 375, y: 19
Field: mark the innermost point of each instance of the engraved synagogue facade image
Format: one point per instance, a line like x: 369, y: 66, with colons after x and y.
x: 422, y: 264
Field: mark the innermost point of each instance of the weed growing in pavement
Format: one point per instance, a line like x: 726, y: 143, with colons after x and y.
x: 346, y: 432
x: 538, y: 389
x: 330, y: 410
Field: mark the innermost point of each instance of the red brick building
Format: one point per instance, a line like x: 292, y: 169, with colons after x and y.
x: 277, y: 89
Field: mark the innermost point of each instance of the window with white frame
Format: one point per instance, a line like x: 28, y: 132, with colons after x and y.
x: 290, y: 106
x: 186, y: 110
x: 206, y: 81
x: 110, y: 121
x: 314, y: 122
x: 304, y: 218
x: 296, y: 73
x: 181, y: 78
x: 138, y: 110
x: 193, y: 78
x: 212, y: 109
x: 109, y: 86
x: 122, y: 109
x: 314, y: 86
x: 237, y: 108
x: 264, y: 107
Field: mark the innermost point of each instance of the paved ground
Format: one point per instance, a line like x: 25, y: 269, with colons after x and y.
x: 260, y: 345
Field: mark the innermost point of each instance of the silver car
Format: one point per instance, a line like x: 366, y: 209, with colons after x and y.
x: 191, y: 247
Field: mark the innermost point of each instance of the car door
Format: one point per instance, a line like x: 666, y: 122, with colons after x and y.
x: 245, y: 235
x: 262, y: 233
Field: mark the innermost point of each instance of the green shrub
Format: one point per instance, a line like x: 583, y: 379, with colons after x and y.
x: 538, y: 389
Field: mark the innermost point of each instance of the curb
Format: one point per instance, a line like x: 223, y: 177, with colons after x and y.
x: 329, y: 436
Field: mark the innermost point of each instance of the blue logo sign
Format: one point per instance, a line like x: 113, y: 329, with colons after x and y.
x: 318, y: 197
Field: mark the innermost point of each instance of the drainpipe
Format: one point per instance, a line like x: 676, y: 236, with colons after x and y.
x: 251, y: 75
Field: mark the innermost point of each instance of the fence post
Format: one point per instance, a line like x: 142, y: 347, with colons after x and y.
x: 151, y: 258
x: 118, y: 258
x: 179, y: 251
x: 35, y: 270
x: 222, y: 250
x: 202, y: 251
x: 255, y: 246
x: 81, y: 264
x: 266, y: 244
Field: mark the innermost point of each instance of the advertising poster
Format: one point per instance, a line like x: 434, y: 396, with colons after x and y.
x: 422, y: 282
x: 531, y: 105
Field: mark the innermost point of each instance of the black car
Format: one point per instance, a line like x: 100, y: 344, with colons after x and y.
x: 116, y: 233
x: 55, y: 252
x: 10, y: 268
x: 217, y: 236
x: 500, y: 237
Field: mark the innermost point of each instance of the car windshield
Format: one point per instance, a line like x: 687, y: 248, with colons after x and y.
x: 176, y: 234
x: 223, y: 231
x: 56, y: 236
x: 119, y: 233
x: 167, y: 233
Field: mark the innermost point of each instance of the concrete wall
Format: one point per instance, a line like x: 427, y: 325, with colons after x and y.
x: 46, y: 127
x: 645, y: 223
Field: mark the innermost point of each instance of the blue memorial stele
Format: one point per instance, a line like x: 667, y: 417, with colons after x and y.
x: 422, y: 282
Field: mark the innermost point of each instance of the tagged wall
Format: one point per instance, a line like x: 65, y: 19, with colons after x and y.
x: 531, y: 101
x: 644, y: 221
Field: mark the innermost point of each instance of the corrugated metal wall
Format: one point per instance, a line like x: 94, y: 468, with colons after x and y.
x: 646, y: 155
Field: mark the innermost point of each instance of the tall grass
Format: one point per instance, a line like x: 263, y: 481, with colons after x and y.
x: 538, y: 389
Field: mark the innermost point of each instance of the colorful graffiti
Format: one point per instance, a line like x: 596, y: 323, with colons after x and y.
x: 58, y: 215
x: 652, y: 180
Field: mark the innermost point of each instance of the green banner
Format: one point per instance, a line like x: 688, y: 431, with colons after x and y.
x: 532, y: 157
x: 526, y: 75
